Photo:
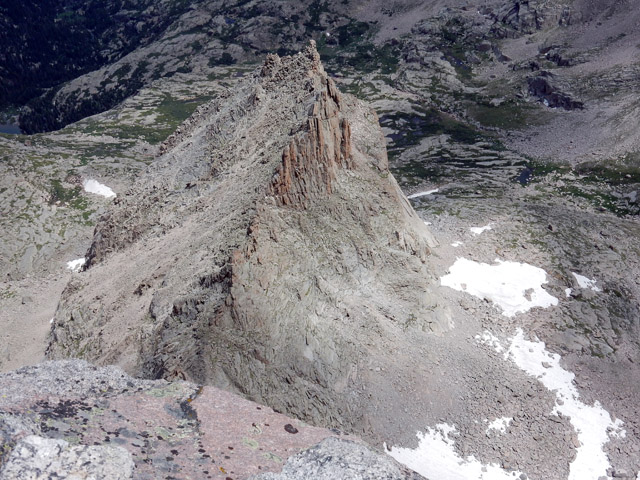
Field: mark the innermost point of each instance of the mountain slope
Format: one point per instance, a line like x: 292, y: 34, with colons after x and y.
x: 269, y: 250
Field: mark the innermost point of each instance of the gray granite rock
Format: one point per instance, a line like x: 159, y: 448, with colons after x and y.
x: 40, y: 458
x: 335, y: 458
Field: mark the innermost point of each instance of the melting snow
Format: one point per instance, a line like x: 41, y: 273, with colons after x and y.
x: 585, y: 282
x: 479, y: 230
x: 567, y: 292
x: 93, y: 186
x: 490, y: 339
x: 422, y: 194
x: 76, y: 265
x: 456, y: 244
x: 436, y: 457
x: 515, y: 287
x: 592, y: 423
x: 499, y: 425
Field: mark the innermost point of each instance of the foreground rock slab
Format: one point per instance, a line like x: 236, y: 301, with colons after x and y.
x: 69, y: 419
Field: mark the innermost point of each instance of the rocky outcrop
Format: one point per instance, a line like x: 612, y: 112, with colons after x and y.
x: 309, y: 163
x: 541, y: 88
x: 41, y: 458
x: 336, y: 458
x: 269, y: 252
x: 514, y: 18
x: 69, y: 419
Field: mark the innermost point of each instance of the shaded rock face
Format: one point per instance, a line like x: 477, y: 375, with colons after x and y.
x: 541, y: 88
x: 69, y: 419
x: 514, y: 18
x: 269, y: 251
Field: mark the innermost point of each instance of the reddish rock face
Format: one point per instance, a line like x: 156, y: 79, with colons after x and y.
x: 310, y: 161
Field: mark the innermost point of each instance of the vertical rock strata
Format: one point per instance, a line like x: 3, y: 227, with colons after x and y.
x: 268, y: 251
x: 309, y: 162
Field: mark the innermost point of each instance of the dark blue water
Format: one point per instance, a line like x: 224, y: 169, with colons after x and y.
x: 9, y: 128
x: 525, y: 176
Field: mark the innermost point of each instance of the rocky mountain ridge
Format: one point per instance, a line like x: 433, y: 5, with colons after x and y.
x: 268, y: 224
x: 154, y: 41
x: 470, y: 97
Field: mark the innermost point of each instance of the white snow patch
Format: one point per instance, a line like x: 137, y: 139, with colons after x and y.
x: 585, y: 282
x: 422, y: 194
x: 457, y: 244
x: 76, y: 265
x: 499, y: 425
x: 436, y: 457
x: 515, y: 287
x: 488, y: 338
x: 567, y: 292
x: 592, y: 423
x: 51, y: 321
x: 93, y: 186
x: 479, y: 230
x: 427, y: 223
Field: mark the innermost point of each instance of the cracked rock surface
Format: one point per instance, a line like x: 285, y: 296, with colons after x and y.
x: 74, y: 420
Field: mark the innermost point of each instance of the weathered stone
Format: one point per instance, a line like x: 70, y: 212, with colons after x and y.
x: 335, y: 458
x: 72, y: 420
x: 41, y: 458
x: 541, y: 88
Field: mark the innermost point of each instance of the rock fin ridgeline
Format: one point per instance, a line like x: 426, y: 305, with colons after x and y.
x: 268, y: 251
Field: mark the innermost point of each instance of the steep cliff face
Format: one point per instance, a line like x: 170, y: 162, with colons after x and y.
x: 268, y: 251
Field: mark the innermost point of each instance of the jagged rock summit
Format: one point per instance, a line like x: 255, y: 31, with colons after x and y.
x: 268, y: 251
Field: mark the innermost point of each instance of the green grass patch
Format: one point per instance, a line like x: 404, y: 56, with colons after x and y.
x: 411, y: 128
x: 349, y: 49
x: 508, y: 115
x: 61, y: 194
x: 624, y: 173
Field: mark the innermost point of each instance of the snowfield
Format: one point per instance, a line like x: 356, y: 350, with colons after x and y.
x: 423, y: 194
x: 76, y: 265
x: 436, y: 458
x: 584, y: 282
x: 93, y: 186
x: 479, y: 230
x: 592, y: 423
x: 499, y: 425
x: 514, y: 287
